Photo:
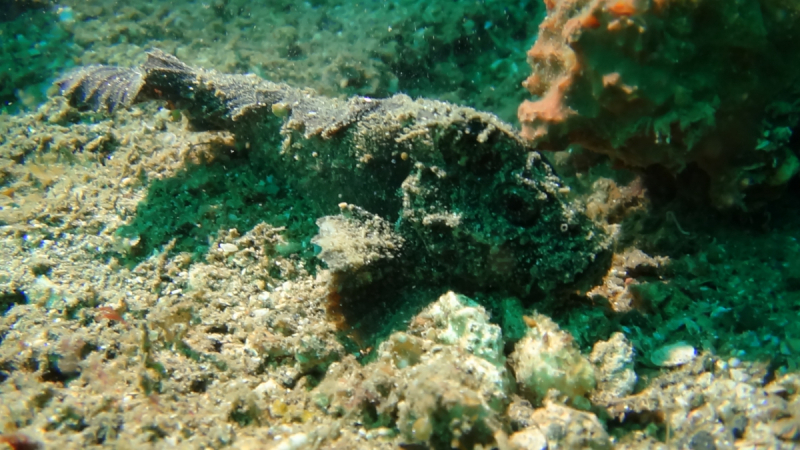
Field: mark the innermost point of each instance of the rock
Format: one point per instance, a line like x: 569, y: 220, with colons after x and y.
x: 547, y: 358
x: 568, y: 428
x: 613, y: 360
x: 528, y: 439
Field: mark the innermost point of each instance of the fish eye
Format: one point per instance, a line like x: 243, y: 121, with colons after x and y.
x: 519, y: 211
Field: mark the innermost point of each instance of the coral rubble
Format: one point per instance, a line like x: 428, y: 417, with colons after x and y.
x: 443, y: 381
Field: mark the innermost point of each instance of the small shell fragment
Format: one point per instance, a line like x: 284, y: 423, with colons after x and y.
x: 281, y: 109
x: 673, y: 355
x: 228, y: 249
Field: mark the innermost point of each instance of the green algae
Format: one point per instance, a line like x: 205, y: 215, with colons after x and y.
x: 33, y: 48
x: 202, y: 199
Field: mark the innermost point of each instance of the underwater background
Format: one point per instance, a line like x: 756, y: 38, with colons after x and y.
x: 400, y: 224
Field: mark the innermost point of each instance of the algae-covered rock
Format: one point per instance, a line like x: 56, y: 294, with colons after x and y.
x: 450, y: 397
x: 547, y: 359
x: 565, y: 427
x: 614, y: 362
x: 555, y: 426
x: 476, y: 207
x: 457, y: 320
x: 442, y: 383
x: 449, y: 346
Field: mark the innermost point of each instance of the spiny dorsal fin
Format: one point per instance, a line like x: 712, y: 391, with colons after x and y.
x: 164, y: 62
x: 102, y: 87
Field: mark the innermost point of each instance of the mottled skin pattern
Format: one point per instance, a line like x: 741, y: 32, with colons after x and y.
x: 477, y: 208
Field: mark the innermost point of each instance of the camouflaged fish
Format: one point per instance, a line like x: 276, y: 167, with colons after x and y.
x: 448, y: 194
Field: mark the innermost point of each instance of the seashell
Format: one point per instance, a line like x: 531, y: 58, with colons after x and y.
x: 673, y: 355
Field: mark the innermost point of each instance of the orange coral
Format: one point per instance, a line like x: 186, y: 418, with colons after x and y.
x: 622, y: 8
x: 549, y: 110
x: 602, y: 68
x: 535, y: 84
x: 590, y: 21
